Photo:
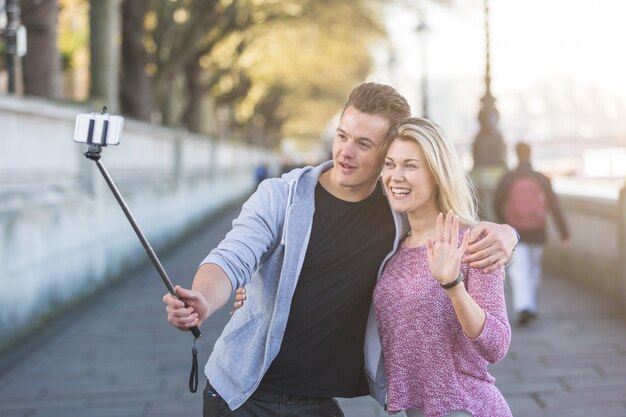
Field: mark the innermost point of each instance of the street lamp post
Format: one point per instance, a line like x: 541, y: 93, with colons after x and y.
x: 422, y: 31
x: 10, y: 36
x: 489, y: 150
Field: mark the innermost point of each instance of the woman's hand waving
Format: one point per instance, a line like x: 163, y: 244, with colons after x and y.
x: 444, y: 252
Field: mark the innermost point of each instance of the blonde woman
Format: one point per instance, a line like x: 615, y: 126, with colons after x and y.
x: 441, y: 322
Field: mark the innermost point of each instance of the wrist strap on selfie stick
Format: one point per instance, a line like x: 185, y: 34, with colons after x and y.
x: 94, y: 153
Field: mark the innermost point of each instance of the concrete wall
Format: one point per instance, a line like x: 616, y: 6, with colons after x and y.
x: 63, y: 235
x: 597, y: 256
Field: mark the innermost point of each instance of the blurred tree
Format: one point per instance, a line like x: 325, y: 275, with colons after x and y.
x: 296, y: 90
x: 42, y: 63
x: 182, y: 31
x: 250, y: 54
x: 135, y: 88
x: 273, y: 68
x: 279, y: 68
x: 74, y: 48
x: 105, y: 40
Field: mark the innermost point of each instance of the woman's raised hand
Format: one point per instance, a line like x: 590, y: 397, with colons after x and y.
x: 444, y: 252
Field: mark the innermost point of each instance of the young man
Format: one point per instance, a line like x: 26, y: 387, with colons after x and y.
x: 523, y: 199
x: 309, y: 247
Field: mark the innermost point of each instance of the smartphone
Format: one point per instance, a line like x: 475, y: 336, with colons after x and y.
x: 98, y: 128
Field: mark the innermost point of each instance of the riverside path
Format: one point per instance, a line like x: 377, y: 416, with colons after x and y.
x: 114, y: 355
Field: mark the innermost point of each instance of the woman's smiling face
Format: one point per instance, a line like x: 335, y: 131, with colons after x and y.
x: 408, y: 180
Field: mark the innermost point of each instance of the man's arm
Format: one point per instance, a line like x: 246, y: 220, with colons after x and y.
x: 211, y: 289
x: 494, y: 250
x: 233, y: 262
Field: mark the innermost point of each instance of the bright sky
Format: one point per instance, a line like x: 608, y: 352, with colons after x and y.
x: 535, y: 45
x: 579, y: 38
x: 532, y: 40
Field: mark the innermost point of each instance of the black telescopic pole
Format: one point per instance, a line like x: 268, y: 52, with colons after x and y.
x: 94, y: 154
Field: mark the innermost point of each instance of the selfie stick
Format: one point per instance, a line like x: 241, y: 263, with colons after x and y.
x: 94, y: 153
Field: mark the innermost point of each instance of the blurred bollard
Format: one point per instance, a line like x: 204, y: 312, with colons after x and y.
x: 485, y: 179
x: 622, y: 245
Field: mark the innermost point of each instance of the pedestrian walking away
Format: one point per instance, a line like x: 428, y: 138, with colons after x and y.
x: 523, y: 199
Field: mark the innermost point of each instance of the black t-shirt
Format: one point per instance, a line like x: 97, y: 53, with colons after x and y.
x: 321, y: 352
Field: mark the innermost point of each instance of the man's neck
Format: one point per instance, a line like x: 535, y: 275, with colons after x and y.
x: 350, y: 194
x: 423, y: 225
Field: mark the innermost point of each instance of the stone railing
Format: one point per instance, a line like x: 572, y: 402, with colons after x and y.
x: 63, y: 235
x: 596, y: 217
x: 597, y: 256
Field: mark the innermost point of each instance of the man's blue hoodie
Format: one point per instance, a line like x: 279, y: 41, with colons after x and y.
x: 265, y: 251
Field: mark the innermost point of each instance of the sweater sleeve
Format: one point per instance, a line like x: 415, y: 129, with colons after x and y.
x: 254, y: 232
x: 487, y: 289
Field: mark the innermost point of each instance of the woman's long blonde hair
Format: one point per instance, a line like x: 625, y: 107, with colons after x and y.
x: 455, y: 189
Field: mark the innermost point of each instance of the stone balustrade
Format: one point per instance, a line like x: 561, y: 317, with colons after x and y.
x: 63, y: 236
x: 597, y: 256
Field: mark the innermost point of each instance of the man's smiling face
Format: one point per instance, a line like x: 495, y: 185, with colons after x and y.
x: 357, y: 151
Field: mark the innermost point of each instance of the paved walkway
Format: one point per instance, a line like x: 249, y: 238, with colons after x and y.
x: 116, y: 356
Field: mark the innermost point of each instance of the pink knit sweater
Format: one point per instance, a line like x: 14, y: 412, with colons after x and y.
x: 431, y: 365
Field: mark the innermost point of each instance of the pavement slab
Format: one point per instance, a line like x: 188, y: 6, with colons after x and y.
x: 114, y: 355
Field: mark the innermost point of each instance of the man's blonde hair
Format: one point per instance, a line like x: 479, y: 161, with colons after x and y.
x: 455, y: 190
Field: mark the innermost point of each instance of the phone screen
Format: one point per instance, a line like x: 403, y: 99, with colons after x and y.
x: 97, y: 128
